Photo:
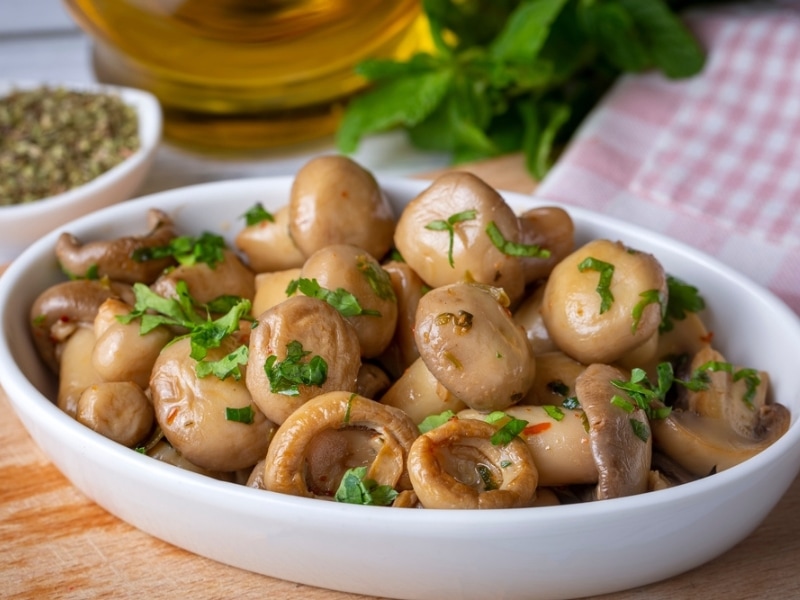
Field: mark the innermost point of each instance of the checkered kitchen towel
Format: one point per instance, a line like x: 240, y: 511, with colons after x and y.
x: 713, y: 161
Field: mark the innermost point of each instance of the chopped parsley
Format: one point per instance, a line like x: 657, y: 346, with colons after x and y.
x: 355, y: 489
x: 228, y: 366
x: 244, y: 414
x: 603, y: 288
x: 340, y: 299
x: 188, y: 250
x: 449, y: 226
x: 512, y: 248
x: 377, y: 278
x: 286, y: 376
x: 682, y: 298
x: 256, y: 214
x: 433, y: 421
x: 647, y: 297
x: 511, y: 429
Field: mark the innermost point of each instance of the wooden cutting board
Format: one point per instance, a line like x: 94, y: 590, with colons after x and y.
x: 55, y: 543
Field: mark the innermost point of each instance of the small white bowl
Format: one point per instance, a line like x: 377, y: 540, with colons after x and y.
x: 22, y: 224
x: 546, y: 553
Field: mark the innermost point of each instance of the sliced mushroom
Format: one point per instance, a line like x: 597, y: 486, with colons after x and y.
x: 717, y: 428
x: 467, y: 205
x: 334, y: 200
x: 64, y: 307
x: 321, y: 331
x: 604, y: 300
x: 118, y: 410
x: 469, y: 341
x: 205, y: 283
x: 350, y: 268
x: 419, y: 394
x: 621, y: 441
x: 196, y: 414
x: 548, y: 227
x: 332, y: 433
x: 268, y: 246
x: 456, y: 465
x: 116, y: 259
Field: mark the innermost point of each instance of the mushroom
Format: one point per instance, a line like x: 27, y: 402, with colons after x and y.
x: 419, y: 394
x: 200, y: 415
x: 118, y: 410
x: 604, y: 300
x: 372, y: 381
x: 76, y: 371
x: 353, y: 270
x: 167, y: 454
x: 714, y: 429
x: 469, y: 341
x: 442, y: 235
x: 621, y: 441
x: 116, y: 259
x: 332, y: 433
x: 121, y: 352
x: 64, y: 307
x: 555, y: 378
x: 271, y: 288
x: 229, y: 277
x: 408, y: 288
x: 528, y: 315
x: 334, y: 200
x: 458, y: 465
x: 558, y: 442
x: 288, y: 337
x: 268, y: 246
x: 551, y: 228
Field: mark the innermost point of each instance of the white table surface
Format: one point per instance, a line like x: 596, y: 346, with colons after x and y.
x: 39, y: 42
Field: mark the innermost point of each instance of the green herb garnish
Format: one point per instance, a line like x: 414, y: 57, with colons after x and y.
x: 286, y: 376
x: 184, y: 312
x: 511, y: 429
x: 603, y: 288
x: 449, y: 226
x: 433, y: 421
x: 355, y: 489
x: 244, y: 414
x: 512, y: 248
x: 188, y: 250
x: 682, y: 298
x: 510, y: 75
x: 256, y: 214
x: 228, y: 366
x: 377, y: 278
x: 646, y: 396
x: 648, y: 297
x: 553, y: 412
x: 750, y: 377
x: 342, y: 300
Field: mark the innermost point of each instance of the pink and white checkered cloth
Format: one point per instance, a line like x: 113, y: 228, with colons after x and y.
x: 713, y: 161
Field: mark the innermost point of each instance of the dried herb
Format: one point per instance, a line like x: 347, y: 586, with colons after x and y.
x: 53, y: 139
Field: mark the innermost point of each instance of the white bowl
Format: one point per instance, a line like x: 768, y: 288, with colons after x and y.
x: 22, y: 224
x: 533, y: 553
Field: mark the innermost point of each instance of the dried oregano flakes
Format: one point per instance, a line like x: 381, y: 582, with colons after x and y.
x: 53, y: 139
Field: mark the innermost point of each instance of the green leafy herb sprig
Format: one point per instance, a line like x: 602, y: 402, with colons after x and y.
x: 356, y: 488
x: 515, y: 75
x: 203, y: 331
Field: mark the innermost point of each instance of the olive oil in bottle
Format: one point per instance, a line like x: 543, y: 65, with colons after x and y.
x: 246, y: 74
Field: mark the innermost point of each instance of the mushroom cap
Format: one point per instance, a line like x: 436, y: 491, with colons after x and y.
x: 205, y: 283
x: 268, y: 246
x: 548, y: 227
x: 622, y: 457
x: 322, y: 331
x: 572, y: 306
x: 334, y: 200
x: 471, y: 344
x: 475, y: 257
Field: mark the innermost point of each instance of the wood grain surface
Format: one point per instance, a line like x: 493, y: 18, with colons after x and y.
x: 55, y: 543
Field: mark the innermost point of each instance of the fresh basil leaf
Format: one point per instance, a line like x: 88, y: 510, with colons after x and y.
x: 526, y: 31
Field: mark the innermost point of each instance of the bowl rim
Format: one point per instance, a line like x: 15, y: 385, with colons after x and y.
x: 150, y: 126
x: 21, y: 386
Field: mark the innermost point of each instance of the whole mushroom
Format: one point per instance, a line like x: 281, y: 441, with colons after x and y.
x: 442, y: 234
x: 604, y: 300
x: 469, y: 341
x: 334, y: 200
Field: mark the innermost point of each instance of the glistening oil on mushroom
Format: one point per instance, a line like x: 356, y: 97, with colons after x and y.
x: 537, y: 358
